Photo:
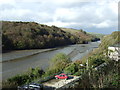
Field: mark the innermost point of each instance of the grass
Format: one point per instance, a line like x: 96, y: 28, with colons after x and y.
x: 72, y: 31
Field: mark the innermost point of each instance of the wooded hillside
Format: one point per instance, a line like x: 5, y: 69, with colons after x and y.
x: 31, y: 35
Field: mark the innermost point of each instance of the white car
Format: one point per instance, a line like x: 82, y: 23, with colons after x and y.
x: 34, y: 86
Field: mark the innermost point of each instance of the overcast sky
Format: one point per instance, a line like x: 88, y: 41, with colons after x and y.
x: 99, y: 16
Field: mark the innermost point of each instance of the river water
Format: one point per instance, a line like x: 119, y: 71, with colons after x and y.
x: 17, y: 62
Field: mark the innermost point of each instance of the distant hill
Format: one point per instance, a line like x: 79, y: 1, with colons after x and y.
x: 99, y: 35
x: 75, y: 31
x: 31, y: 35
x: 72, y: 31
x: 81, y: 34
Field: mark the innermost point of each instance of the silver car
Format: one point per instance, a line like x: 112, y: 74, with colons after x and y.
x: 32, y: 86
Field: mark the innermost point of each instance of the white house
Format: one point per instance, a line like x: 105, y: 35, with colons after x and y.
x: 114, y: 52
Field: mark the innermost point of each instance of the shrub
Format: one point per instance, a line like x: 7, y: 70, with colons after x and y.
x: 96, y: 60
x: 71, y: 69
x: 27, y: 77
x: 106, y: 77
x: 59, y: 62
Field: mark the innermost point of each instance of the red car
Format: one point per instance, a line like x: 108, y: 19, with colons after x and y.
x: 61, y: 76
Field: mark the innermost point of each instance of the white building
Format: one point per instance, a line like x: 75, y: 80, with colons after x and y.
x: 114, y: 52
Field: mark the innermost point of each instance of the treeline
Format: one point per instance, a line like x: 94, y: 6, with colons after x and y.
x: 31, y: 35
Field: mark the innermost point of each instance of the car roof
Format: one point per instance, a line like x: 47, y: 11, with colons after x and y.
x: 62, y: 74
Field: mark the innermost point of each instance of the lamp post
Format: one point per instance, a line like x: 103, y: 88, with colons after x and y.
x: 87, y: 64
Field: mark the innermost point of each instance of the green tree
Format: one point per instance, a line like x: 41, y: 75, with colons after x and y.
x: 59, y: 62
x: 71, y: 69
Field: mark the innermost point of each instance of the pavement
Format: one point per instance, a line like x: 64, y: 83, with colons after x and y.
x: 58, y: 83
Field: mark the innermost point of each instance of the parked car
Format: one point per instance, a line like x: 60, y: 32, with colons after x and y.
x: 32, y: 86
x: 61, y: 76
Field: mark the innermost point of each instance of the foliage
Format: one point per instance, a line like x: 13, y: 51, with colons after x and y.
x: 109, y: 40
x: 106, y: 77
x: 106, y: 41
x: 59, y: 62
x: 96, y: 60
x: 27, y: 77
x: 9, y: 85
x: 99, y: 35
x: 82, y: 36
x: 31, y: 35
x: 71, y: 69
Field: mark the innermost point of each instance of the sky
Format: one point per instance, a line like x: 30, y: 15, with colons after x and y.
x: 100, y: 16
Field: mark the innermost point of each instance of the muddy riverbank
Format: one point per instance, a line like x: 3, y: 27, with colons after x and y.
x: 37, y: 58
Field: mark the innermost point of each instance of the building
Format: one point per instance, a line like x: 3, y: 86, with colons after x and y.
x: 114, y: 52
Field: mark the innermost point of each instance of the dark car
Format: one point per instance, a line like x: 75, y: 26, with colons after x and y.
x: 32, y: 86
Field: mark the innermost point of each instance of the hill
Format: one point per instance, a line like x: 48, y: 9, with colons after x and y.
x: 98, y: 35
x: 109, y: 40
x: 83, y: 35
x: 31, y: 35
x: 106, y: 73
x: 99, y: 72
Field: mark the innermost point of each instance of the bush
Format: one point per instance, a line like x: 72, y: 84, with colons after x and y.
x: 9, y: 85
x: 59, y: 62
x: 106, y: 77
x: 71, y: 69
x: 96, y: 60
x: 36, y: 72
x: 27, y: 77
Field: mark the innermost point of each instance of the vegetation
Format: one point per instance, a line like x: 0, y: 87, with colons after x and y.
x: 96, y: 60
x: 106, y: 41
x: 31, y: 35
x: 71, y: 69
x: 58, y: 63
x: 106, y: 77
x: 109, y: 40
x: 83, y: 35
x: 94, y: 74
x: 41, y: 35
x: 31, y: 75
x: 97, y: 35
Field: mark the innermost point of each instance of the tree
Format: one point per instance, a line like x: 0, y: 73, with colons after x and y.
x: 71, y: 69
x: 59, y: 61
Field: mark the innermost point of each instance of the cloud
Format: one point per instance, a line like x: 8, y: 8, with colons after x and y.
x: 12, y: 2
x: 86, y: 14
x: 105, y: 24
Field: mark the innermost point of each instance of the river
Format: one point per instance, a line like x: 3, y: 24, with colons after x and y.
x: 16, y: 62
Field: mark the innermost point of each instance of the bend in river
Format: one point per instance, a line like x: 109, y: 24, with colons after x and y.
x: 21, y: 61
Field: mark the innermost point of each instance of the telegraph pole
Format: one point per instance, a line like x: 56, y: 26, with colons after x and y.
x: 87, y: 64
